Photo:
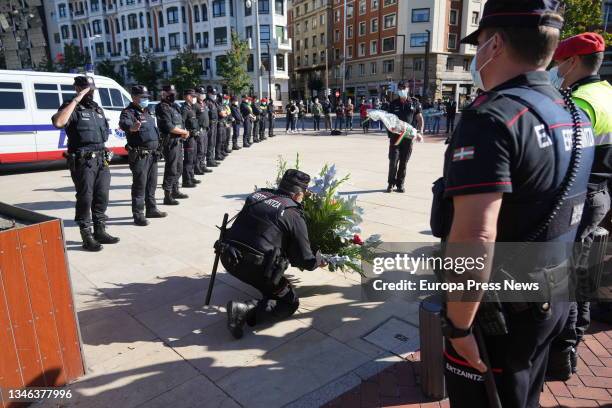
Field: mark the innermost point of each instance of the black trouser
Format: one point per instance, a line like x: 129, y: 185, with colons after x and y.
x: 144, y: 180
x: 212, y: 142
x: 220, y: 143
x: 189, y: 159
x: 248, y: 128
x: 262, y: 128
x: 91, y: 178
x: 235, y: 133
x: 450, y: 123
x: 256, y: 124
x: 201, y: 144
x: 328, y: 122
x: 518, y: 360
x: 173, y: 166
x: 271, y: 126
x: 398, y: 160
x: 317, y: 122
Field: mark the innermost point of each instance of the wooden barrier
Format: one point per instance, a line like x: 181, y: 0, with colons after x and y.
x: 39, y: 338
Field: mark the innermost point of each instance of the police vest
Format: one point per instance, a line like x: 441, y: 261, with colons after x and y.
x: 213, y: 112
x: 175, y: 115
x: 89, y: 128
x: 258, y: 223
x: 558, y: 132
x: 191, y: 122
x: 147, y: 135
x: 202, y: 114
x: 599, y: 96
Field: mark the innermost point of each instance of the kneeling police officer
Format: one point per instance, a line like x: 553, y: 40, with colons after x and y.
x: 269, y: 233
x: 142, y: 146
x: 87, y: 131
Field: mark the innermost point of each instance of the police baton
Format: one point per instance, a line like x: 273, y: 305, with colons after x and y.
x: 211, y: 284
x: 489, y: 380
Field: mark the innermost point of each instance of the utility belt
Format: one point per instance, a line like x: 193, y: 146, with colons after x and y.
x: 235, y: 253
x: 139, y: 152
x: 88, y: 155
x: 597, y: 187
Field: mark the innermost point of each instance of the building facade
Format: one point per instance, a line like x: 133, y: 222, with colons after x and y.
x: 116, y: 29
x: 23, y: 42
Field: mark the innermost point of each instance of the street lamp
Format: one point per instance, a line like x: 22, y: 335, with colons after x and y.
x: 253, y: 4
x: 269, y: 72
x: 426, y: 74
x: 91, y: 62
x: 403, y: 53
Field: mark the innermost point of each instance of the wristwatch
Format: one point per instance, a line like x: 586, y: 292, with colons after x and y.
x: 451, y: 332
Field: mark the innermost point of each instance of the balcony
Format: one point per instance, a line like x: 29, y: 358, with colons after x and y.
x: 79, y: 14
x: 284, y: 44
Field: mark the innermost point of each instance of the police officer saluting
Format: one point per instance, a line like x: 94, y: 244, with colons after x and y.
x: 406, y: 109
x: 510, y: 163
x: 188, y: 111
x: 202, y: 140
x: 172, y: 128
x: 87, y: 131
x: 142, y: 146
x: 269, y: 233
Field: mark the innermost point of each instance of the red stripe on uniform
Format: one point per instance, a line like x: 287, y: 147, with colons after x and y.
x: 516, y: 117
x: 558, y: 125
x: 496, y: 183
x: 466, y: 364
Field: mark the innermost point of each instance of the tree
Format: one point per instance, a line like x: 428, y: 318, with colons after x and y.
x: 233, y: 66
x: 143, y: 68
x: 582, y: 16
x: 47, y: 65
x: 72, y: 59
x: 107, y: 68
x: 187, y: 70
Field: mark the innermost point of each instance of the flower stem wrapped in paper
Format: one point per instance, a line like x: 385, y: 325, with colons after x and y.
x: 395, y: 125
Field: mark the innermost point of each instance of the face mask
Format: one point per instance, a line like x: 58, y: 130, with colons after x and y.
x: 476, y: 72
x: 402, y: 93
x: 171, y: 98
x: 143, y: 103
x: 556, y: 79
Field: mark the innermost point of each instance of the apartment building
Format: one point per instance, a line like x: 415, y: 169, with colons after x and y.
x: 116, y: 29
x: 23, y: 44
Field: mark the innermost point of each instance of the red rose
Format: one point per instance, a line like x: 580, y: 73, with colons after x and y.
x: 357, y: 240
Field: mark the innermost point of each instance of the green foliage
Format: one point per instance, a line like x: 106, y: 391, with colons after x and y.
x: 582, y: 16
x: 187, y: 71
x: 72, y: 59
x: 47, y: 65
x: 107, y: 68
x: 233, y: 67
x: 143, y: 68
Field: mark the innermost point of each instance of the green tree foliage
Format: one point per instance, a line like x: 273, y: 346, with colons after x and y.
x: 143, y: 68
x: 47, y: 65
x: 72, y: 59
x: 233, y: 67
x: 582, y: 16
x: 187, y: 71
x: 107, y: 68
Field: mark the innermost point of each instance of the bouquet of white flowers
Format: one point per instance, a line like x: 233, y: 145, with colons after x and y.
x: 394, y: 124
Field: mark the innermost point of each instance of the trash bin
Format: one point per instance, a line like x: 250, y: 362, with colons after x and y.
x: 40, y: 341
x: 432, y: 347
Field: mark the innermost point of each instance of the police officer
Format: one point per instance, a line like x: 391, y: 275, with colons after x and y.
x: 202, y: 140
x: 87, y: 131
x: 188, y: 112
x: 508, y: 153
x: 269, y: 233
x: 226, y: 118
x: 256, y: 107
x: 213, y: 115
x: 220, y: 152
x: 247, y: 117
x: 263, y: 105
x: 578, y: 60
x: 237, y: 121
x: 271, y: 116
x: 142, y: 146
x: 172, y: 129
x: 406, y: 109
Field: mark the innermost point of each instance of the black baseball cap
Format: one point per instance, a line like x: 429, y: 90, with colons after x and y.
x: 169, y: 89
x: 518, y: 13
x: 294, y: 181
x: 141, y: 91
x: 84, y: 82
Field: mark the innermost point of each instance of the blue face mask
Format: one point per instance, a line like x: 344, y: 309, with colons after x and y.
x: 478, y: 83
x: 143, y: 103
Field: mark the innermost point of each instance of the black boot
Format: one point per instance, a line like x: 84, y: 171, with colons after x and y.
x: 187, y: 184
x: 102, y: 236
x: 559, y: 366
x: 389, y: 188
x: 155, y: 213
x: 140, y: 220
x: 196, y: 181
x: 206, y: 170
x: 89, y: 242
x: 400, y: 189
x: 237, y: 315
x: 179, y: 195
x: 236, y: 147
x: 212, y: 163
x: 168, y: 199
x: 198, y: 172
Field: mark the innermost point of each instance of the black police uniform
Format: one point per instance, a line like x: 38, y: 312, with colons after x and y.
x: 257, y: 122
x: 237, y: 116
x: 263, y: 118
x: 271, y: 116
x: 220, y: 139
x: 213, y: 116
x: 142, y: 147
x: 202, y: 140
x: 87, y: 131
x: 246, y: 112
x: 502, y: 146
x: 399, y: 155
x: 188, y: 113
x: 168, y: 117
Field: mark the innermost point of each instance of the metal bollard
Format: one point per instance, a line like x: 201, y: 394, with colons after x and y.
x: 432, y: 345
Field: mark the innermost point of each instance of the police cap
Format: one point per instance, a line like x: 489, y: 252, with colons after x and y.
x: 210, y: 90
x: 581, y: 44
x: 200, y: 89
x: 140, y: 91
x: 83, y: 81
x: 518, y: 13
x: 401, y: 85
x: 294, y: 181
x: 169, y: 89
x: 190, y: 91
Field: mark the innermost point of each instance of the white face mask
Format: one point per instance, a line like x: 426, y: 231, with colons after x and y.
x: 478, y: 83
x: 556, y: 79
x: 402, y: 93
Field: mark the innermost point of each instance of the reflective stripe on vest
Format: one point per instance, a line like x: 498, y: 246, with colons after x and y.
x: 599, y: 96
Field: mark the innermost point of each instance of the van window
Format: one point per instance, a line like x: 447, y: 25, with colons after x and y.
x: 111, y: 99
x: 68, y: 92
x: 11, y: 96
x: 48, y: 96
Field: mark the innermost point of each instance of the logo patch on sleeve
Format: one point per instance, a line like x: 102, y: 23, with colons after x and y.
x: 463, y: 153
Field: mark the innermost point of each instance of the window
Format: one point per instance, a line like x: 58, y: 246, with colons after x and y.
x: 322, y: 56
x: 141, y: 20
x: 305, y: 8
x: 95, y: 6
x: 417, y: 64
x: 172, y: 14
x: 452, y: 17
x: 106, y: 27
x: 298, y: 61
x: 297, y: 28
x: 362, y: 49
x: 279, y: 7
x: 389, y: 3
x: 349, y: 32
x: 475, y: 16
x: 337, y: 53
x: 306, y: 60
x: 362, y: 7
x: 196, y: 14
x: 174, y: 41
x: 111, y: 99
x: 280, y: 33
x: 57, y: 38
x: 349, y: 51
x: 337, y: 16
x: 452, y: 41
x: 207, y: 64
x: 67, y: 92
x: 373, y: 47
x: 466, y: 64
x: 420, y: 15
x: 97, y: 28
x: 218, y: 8
x: 123, y: 23
x: 322, y: 19
x: 418, y: 40
x: 160, y: 17
x: 361, y: 69
x: 388, y: 44
x: 47, y: 96
x: 350, y: 11
x: 362, y: 28
x: 264, y: 6
x: 314, y: 40
x: 389, y: 21
x: 250, y: 65
x: 61, y: 10
x: 264, y: 34
x: 220, y: 34
x: 337, y: 35
x: 374, y: 25
x: 99, y: 50
x: 374, y: 5
x: 204, y: 12
x: 349, y: 71
x: 218, y: 61
x: 305, y: 43
x: 373, y: 67
x: 450, y: 64
x: 305, y: 25
x: 388, y: 66
x: 314, y: 58
x: 314, y: 23
x: 298, y: 45
x: 65, y: 32
x: 322, y: 39
x: 205, y: 39
x: 132, y: 21
x: 277, y: 91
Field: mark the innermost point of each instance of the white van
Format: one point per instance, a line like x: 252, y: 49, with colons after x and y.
x: 28, y: 99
